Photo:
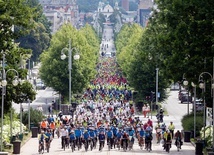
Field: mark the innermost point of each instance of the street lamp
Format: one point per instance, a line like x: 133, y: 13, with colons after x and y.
x: 185, y: 83
x: 76, y: 57
x: 202, y: 86
x: 194, y: 86
x: 3, y: 84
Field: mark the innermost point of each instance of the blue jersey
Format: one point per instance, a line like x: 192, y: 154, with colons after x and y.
x: 114, y: 131
x: 72, y: 137
x: 92, y: 133
x: 142, y: 133
x: 48, y: 135
x: 86, y: 135
x: 119, y: 135
x: 102, y: 137
x: 109, y: 134
x: 131, y: 133
x: 78, y: 133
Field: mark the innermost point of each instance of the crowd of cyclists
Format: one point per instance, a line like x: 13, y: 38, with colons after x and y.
x: 106, y: 116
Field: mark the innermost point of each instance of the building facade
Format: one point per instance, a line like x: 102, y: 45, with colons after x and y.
x: 144, y: 11
x: 59, y: 12
x: 125, y: 4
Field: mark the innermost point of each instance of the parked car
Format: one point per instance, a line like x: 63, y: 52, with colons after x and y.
x: 181, y: 93
x: 40, y: 85
x: 186, y: 98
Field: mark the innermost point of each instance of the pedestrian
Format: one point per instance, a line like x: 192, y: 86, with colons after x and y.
x: 147, y: 110
x: 144, y: 110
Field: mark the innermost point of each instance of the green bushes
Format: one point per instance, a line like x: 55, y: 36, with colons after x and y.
x: 36, y: 117
x: 188, y: 122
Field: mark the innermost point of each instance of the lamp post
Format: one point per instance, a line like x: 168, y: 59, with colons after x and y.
x: 185, y: 83
x: 156, y: 97
x: 3, y: 85
x: 76, y: 57
x: 194, y: 86
x: 202, y: 86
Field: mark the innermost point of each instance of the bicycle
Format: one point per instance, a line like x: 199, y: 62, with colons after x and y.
x: 72, y: 145
x: 167, y: 146
x: 86, y: 145
x: 148, y: 145
x: 47, y: 142
x: 41, y: 147
x: 124, y: 145
x: 63, y: 142
x: 101, y: 145
x: 91, y: 143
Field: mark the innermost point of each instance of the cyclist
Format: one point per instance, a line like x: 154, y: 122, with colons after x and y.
x: 49, y: 137
x: 140, y: 137
x: 101, y: 139
x: 86, y: 137
x: 171, y: 128
x: 110, y: 137
x: 41, y: 138
x: 92, y: 136
x: 118, y: 136
x: 78, y: 135
x: 158, y: 132
x: 148, y: 139
x: 72, y: 137
x: 167, y: 138
x: 178, y: 136
x: 64, y: 135
x: 125, y: 138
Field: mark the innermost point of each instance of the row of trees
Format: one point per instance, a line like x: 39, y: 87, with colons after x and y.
x: 178, y: 40
x: 137, y: 65
x: 54, y: 71
x: 22, y: 26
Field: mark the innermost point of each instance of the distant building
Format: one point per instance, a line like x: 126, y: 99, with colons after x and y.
x: 105, y: 9
x: 125, y: 4
x: 59, y: 12
x: 144, y: 11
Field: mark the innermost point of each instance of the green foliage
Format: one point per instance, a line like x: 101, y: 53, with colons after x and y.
x: 54, y: 71
x: 35, y: 117
x: 38, y: 38
x: 188, y: 122
x: 137, y: 64
x: 180, y: 34
x: 17, y: 14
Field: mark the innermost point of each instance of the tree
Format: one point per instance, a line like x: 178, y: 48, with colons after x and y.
x: 37, y: 39
x: 137, y: 63
x: 19, y: 15
x: 184, y: 38
x: 54, y: 71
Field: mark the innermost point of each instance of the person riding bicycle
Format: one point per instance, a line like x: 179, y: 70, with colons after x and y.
x: 72, y: 137
x: 41, y: 138
x: 125, y: 138
x: 101, y: 138
x: 78, y: 135
x: 131, y: 133
x: 140, y: 137
x: 49, y: 136
x: 158, y: 132
x: 92, y: 136
x: 110, y: 137
x: 64, y: 135
x: 171, y: 128
x: 178, y: 137
x: 86, y: 137
x: 167, y: 138
x: 148, y: 138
